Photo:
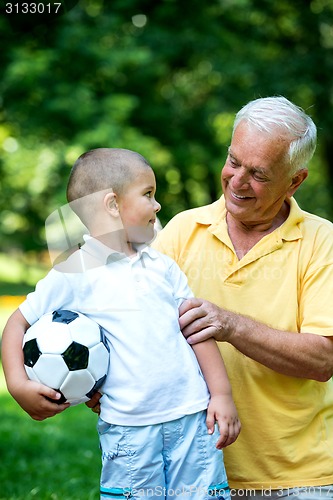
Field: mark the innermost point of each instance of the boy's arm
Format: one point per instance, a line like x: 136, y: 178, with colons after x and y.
x: 221, y: 408
x: 31, y: 396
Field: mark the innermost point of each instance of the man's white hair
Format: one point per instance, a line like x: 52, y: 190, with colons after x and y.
x: 275, y: 115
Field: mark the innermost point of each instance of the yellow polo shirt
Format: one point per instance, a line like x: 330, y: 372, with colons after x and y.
x: 285, y: 281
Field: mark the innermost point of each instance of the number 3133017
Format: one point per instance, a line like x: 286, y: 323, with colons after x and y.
x: 32, y: 8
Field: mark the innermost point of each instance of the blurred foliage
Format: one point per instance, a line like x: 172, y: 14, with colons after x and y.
x: 163, y: 78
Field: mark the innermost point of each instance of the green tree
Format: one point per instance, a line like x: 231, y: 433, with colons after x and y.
x: 164, y: 78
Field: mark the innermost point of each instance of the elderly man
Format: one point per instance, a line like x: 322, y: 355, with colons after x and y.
x: 264, y: 270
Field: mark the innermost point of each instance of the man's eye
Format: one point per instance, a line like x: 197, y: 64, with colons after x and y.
x: 233, y: 161
x: 259, y: 177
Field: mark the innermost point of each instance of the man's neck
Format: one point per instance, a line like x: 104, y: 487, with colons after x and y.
x: 245, y: 235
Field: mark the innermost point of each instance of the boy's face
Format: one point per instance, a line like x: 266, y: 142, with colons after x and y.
x: 138, y: 207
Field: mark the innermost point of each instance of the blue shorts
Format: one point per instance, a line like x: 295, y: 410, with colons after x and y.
x: 176, y: 459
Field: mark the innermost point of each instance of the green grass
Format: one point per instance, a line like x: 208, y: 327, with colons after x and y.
x: 57, y: 459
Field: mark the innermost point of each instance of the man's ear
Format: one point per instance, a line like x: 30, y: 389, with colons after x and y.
x: 111, y: 205
x: 297, y: 180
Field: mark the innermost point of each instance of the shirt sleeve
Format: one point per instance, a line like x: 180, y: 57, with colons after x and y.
x: 51, y: 293
x: 179, y: 283
x: 316, y: 312
x: 316, y: 287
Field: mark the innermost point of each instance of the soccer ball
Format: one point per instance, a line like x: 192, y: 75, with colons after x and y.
x: 67, y: 351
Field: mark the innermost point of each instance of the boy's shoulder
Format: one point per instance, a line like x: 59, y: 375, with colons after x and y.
x: 165, y: 262
x: 69, y: 262
x: 159, y: 256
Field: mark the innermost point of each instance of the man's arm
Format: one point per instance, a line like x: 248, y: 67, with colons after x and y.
x: 221, y: 407
x: 303, y: 355
x: 30, y: 395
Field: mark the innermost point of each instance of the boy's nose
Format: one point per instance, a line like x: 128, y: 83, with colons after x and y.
x: 157, y: 207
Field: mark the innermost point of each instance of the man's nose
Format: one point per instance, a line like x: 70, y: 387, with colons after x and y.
x: 241, y: 178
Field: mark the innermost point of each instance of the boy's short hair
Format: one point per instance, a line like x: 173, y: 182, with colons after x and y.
x: 103, y: 168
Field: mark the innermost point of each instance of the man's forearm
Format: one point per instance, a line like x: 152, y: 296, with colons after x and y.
x: 303, y: 355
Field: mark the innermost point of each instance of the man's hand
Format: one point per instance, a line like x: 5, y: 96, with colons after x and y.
x: 200, y: 319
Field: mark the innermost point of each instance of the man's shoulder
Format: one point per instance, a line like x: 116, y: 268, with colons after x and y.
x: 317, y: 239
x: 186, y: 226
x: 309, y: 225
x: 69, y: 262
x: 205, y: 214
x: 315, y: 223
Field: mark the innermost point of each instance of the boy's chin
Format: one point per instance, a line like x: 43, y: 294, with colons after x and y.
x: 140, y: 236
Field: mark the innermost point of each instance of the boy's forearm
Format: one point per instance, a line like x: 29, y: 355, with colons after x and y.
x: 212, y: 367
x: 12, y: 353
x: 33, y: 397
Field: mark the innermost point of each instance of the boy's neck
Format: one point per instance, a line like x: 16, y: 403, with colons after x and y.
x: 116, y: 241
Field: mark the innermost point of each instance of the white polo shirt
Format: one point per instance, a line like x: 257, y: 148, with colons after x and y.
x: 154, y: 375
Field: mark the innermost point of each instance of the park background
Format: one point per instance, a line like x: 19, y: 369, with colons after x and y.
x: 164, y: 78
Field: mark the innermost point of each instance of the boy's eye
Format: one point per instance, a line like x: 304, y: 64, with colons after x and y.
x: 149, y: 194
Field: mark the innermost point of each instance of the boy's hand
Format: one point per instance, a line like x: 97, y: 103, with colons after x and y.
x: 94, y: 403
x: 35, y: 399
x: 221, y: 409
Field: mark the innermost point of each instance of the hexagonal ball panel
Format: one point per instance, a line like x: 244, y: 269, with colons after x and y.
x: 76, y: 356
x: 51, y: 370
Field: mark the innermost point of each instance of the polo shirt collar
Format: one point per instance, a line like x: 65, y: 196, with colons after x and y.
x: 214, y: 216
x: 211, y: 214
x: 290, y: 229
x: 105, y: 255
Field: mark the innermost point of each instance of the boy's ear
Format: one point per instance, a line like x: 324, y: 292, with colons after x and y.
x: 110, y: 204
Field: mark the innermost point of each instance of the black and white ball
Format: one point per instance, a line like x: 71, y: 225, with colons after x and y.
x: 67, y: 351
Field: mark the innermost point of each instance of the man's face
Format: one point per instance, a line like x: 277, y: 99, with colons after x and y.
x: 255, y: 178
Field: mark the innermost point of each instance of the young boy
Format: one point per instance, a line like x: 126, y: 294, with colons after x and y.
x: 153, y: 412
